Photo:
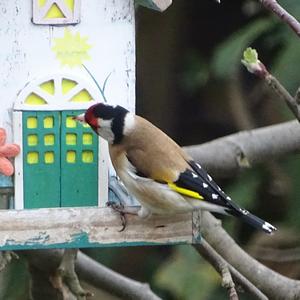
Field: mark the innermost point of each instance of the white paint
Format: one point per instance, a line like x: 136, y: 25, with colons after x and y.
x: 109, y: 28
x: 57, y: 101
x: 18, y: 139
x: 205, y: 185
x: 103, y: 165
x: 215, y: 196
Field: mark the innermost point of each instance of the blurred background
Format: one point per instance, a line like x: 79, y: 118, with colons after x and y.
x: 191, y: 84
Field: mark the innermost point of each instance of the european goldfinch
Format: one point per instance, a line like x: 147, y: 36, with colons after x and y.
x: 155, y: 170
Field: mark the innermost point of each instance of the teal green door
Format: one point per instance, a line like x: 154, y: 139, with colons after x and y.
x: 79, y: 161
x: 60, y: 161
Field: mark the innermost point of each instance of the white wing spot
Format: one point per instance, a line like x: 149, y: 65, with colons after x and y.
x: 209, y: 177
x: 268, y: 227
x: 228, y: 198
x: 198, y: 166
x: 205, y: 185
x: 244, y: 211
x: 194, y: 175
x: 214, y: 196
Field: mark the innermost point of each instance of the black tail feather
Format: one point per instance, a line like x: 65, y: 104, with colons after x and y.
x: 254, y: 221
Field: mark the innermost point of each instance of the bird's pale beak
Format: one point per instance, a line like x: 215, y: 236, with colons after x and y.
x: 79, y: 118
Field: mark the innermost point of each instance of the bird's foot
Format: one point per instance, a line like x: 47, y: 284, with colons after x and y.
x: 120, y: 208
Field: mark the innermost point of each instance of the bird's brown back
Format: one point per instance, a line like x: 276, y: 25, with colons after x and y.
x: 152, y: 152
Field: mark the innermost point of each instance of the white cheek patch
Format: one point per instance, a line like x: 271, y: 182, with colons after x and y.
x: 129, y: 123
x: 104, y: 130
x: 104, y: 123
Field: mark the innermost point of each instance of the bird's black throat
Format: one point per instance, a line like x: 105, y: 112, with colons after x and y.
x: 118, y: 123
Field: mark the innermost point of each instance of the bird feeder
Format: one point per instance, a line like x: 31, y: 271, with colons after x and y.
x: 58, y: 57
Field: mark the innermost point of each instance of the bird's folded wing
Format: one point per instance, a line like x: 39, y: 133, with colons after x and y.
x: 195, y: 186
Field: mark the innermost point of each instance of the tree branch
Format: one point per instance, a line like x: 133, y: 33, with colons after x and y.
x: 282, y: 14
x: 229, y: 154
x: 255, y: 66
x: 272, y: 284
x: 93, y: 273
x: 219, y: 263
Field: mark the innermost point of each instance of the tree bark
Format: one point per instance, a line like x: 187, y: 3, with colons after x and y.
x: 271, y: 283
x: 227, y: 155
x: 93, y: 273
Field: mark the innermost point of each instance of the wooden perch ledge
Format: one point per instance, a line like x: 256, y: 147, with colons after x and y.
x: 91, y: 227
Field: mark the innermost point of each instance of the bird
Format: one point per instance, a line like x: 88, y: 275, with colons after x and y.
x: 157, y: 171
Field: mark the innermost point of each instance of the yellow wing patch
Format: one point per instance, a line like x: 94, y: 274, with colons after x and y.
x: 185, y: 192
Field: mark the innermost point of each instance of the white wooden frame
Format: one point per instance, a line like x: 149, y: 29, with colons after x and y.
x: 39, y: 13
x: 54, y: 104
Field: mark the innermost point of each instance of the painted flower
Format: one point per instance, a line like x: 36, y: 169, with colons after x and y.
x: 71, y: 49
x: 7, y: 151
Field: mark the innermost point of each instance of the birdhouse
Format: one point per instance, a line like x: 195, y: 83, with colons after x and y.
x: 58, y: 57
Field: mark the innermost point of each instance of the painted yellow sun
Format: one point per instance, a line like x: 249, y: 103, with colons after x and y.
x: 71, y: 49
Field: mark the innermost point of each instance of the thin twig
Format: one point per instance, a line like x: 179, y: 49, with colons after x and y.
x: 221, y: 266
x: 255, y: 66
x: 280, y: 12
x: 280, y: 90
x: 66, y: 274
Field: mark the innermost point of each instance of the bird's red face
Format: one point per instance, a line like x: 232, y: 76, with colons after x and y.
x: 106, y: 120
x: 91, y: 119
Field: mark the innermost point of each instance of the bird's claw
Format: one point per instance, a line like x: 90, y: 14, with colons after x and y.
x: 118, y: 207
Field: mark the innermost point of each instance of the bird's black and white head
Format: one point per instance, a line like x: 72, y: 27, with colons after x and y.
x: 110, y: 122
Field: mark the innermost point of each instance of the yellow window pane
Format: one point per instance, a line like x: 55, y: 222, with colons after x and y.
x: 70, y: 4
x: 70, y: 122
x: 71, y: 139
x: 54, y: 12
x: 42, y: 2
x: 49, y: 157
x: 71, y: 157
x: 34, y: 99
x: 32, y: 140
x: 87, y: 139
x: 49, y: 139
x: 67, y: 85
x: 32, y: 122
x: 48, y: 122
x: 87, y: 157
x: 82, y: 96
x: 48, y: 87
x: 32, y: 158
